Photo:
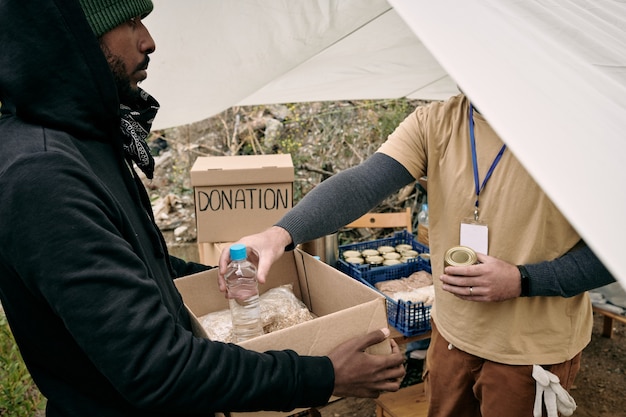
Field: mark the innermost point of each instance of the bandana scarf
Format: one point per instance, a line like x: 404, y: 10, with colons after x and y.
x: 135, y: 125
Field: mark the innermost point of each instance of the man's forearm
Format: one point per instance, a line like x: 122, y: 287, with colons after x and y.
x: 577, y: 271
x: 344, y: 197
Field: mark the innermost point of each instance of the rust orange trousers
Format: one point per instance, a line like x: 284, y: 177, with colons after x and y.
x: 462, y: 385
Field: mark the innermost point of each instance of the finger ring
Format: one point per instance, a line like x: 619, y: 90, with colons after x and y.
x: 471, y: 291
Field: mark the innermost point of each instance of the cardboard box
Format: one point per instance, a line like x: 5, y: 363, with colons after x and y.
x: 344, y: 307
x: 209, y: 252
x: 240, y: 195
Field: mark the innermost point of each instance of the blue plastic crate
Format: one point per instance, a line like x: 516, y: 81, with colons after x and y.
x: 409, y: 318
x: 373, y: 274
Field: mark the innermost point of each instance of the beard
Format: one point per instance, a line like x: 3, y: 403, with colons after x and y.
x: 125, y: 91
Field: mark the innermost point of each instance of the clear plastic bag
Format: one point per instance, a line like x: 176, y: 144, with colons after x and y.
x: 280, y: 309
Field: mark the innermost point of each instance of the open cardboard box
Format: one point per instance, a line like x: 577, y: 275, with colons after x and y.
x: 344, y: 308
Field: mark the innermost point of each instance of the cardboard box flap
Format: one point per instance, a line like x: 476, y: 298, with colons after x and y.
x: 326, y: 332
x: 242, y: 169
x: 320, y: 278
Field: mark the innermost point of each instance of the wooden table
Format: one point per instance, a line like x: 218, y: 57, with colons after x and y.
x: 402, y: 339
x: 607, y: 327
x: 407, y: 402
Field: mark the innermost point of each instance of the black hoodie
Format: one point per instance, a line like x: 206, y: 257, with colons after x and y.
x: 85, y: 278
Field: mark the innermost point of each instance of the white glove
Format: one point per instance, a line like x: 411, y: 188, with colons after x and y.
x: 554, y: 395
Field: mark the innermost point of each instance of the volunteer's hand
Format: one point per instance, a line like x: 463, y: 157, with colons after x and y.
x: 491, y: 280
x: 360, y: 374
x: 263, y: 250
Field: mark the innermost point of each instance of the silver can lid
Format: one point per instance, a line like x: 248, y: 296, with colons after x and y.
x: 460, y: 256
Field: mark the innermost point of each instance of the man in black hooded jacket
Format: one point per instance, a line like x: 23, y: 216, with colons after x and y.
x: 85, y: 277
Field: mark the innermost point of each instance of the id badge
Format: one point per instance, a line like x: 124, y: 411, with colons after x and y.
x: 475, y: 235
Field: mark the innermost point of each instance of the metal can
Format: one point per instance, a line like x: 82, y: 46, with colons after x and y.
x: 369, y: 252
x: 460, y: 256
x: 326, y: 248
x: 351, y: 254
x: 392, y: 255
x: 375, y: 260
x: 355, y: 260
x: 403, y: 247
x: 409, y: 254
x: 385, y: 249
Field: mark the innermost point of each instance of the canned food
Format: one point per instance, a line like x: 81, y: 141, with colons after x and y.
x: 410, y: 253
x: 351, y: 254
x: 369, y: 252
x: 385, y: 249
x: 403, y: 247
x: 357, y: 260
x: 392, y: 255
x: 391, y: 262
x: 375, y: 260
x: 460, y: 256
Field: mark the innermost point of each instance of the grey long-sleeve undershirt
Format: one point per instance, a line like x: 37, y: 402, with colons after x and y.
x: 348, y: 195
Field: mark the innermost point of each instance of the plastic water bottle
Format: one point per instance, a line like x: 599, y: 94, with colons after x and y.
x: 422, y: 225
x: 243, y: 294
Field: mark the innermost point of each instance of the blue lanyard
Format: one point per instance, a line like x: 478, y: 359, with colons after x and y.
x: 475, y: 161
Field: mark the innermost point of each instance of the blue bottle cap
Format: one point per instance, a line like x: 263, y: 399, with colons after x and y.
x: 238, y: 252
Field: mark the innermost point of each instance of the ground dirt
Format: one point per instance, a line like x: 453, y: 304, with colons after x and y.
x: 325, y: 138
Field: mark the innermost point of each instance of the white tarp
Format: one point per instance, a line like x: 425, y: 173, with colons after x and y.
x: 549, y: 75
x: 214, y: 54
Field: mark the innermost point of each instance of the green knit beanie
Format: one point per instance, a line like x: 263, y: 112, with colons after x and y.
x: 104, y: 15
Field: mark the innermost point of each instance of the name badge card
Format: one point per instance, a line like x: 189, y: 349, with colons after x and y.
x: 475, y: 235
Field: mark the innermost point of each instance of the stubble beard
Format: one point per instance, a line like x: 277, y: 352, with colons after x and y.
x: 125, y: 91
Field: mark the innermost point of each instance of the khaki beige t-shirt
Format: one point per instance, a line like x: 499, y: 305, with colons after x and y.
x: 524, y: 227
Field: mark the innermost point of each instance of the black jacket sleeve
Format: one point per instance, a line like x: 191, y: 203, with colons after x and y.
x: 183, y: 268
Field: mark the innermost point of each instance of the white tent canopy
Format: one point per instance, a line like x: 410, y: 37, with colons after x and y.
x: 214, y: 54
x: 549, y: 75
